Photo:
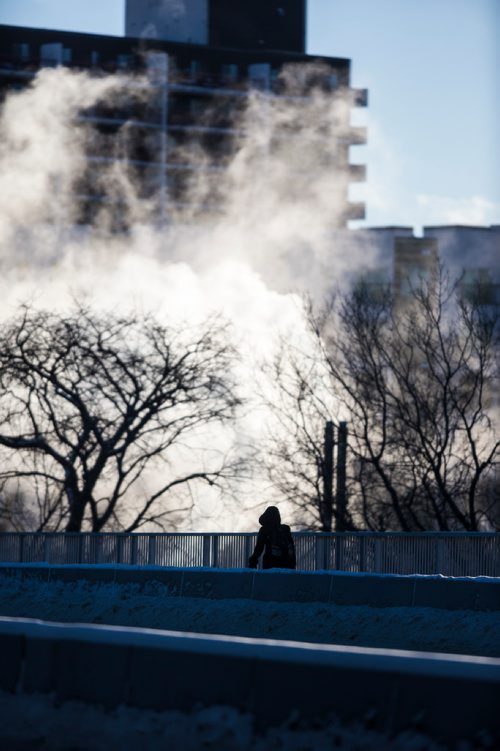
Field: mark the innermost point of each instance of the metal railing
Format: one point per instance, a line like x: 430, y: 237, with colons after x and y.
x: 449, y: 554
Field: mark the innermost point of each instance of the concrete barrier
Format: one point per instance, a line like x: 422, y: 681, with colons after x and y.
x: 449, y: 697
x: 276, y: 585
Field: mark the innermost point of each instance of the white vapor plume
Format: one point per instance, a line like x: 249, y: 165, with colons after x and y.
x: 269, y: 238
x: 40, y: 149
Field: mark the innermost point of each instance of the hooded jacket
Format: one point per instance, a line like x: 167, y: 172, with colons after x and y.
x: 275, y: 541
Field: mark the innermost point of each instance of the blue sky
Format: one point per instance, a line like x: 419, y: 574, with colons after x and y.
x: 432, y: 68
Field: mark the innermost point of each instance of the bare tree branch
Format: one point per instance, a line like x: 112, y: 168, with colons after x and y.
x: 105, y: 400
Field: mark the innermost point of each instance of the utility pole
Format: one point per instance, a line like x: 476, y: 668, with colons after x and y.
x: 326, y: 512
x: 341, y: 495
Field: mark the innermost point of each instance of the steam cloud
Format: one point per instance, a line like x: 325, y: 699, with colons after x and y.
x: 270, y: 238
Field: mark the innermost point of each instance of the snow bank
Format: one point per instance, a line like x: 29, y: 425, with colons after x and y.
x: 335, y: 587
x: 149, y: 605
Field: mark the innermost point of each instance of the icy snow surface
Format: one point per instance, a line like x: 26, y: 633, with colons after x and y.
x: 38, y: 722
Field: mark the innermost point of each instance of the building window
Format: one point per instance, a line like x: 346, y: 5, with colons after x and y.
x: 21, y: 51
x: 230, y: 72
x: 124, y: 61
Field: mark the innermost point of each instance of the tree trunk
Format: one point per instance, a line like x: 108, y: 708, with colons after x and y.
x: 77, y: 507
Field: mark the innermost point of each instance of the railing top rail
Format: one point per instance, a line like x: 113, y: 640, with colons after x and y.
x: 297, y: 533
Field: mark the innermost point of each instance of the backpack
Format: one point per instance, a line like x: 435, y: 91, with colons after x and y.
x: 281, y: 546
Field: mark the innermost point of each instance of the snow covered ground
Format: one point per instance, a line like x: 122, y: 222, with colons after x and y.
x: 38, y: 722
x: 427, y: 629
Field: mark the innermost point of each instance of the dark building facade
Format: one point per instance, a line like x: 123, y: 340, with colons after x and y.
x: 260, y: 24
x: 202, y: 59
x: 246, y: 24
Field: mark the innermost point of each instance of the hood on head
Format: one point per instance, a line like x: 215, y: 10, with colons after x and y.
x: 271, y: 517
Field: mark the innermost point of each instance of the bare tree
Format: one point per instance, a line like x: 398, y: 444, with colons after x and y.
x: 418, y: 380
x: 419, y: 377
x: 102, y: 416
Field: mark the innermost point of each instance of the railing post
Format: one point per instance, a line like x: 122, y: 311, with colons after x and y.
x: 319, y: 553
x: 206, y: 550
x: 152, y: 550
x: 119, y: 548
x: 339, y: 551
x: 377, y: 556
x: 326, y: 551
x: 133, y: 550
x: 21, y: 548
x: 28, y: 548
x: 248, y: 551
x: 215, y: 551
x: 362, y: 553
x: 439, y: 555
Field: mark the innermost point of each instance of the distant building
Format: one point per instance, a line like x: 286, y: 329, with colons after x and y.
x: 415, y: 262
x: 474, y: 252
x: 393, y: 257
x: 202, y: 58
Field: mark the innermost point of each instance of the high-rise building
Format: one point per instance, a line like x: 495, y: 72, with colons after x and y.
x: 202, y: 60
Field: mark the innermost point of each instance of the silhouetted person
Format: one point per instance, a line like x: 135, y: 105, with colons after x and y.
x: 275, y: 541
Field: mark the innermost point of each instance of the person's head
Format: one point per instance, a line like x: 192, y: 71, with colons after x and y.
x: 271, y: 517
